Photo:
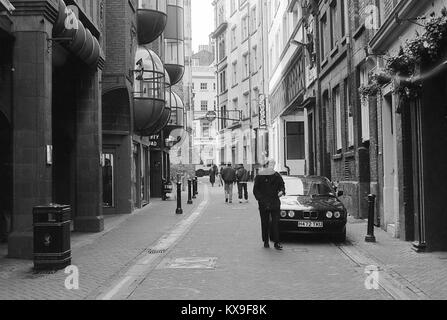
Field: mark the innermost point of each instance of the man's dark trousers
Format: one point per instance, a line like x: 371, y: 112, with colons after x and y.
x: 270, y: 224
x: 242, y: 188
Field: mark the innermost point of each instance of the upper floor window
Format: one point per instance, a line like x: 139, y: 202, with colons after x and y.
x: 255, y: 59
x: 244, y: 28
x: 233, y: 38
x: 204, y: 105
x: 254, y: 19
x: 232, y: 6
x: 204, y: 86
x: 246, y: 66
x: 234, y: 76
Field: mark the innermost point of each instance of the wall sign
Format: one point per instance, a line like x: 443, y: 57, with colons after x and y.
x: 49, y: 155
x: 155, y: 141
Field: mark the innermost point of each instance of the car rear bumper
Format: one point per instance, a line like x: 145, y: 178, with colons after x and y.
x: 329, y: 227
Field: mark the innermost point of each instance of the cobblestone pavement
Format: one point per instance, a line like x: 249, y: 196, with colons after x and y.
x: 216, y: 253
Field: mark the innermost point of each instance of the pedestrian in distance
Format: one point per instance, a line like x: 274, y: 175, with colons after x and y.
x: 229, y: 178
x: 219, y: 177
x: 242, y: 177
x: 212, y: 173
x: 268, y: 189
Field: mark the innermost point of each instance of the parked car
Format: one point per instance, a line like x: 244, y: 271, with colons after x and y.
x: 312, y: 206
x: 203, y: 170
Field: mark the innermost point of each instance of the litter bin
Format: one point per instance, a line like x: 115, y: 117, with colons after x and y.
x: 51, y: 228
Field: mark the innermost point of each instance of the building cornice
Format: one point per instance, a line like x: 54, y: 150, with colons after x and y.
x: 220, y: 29
x: 47, y: 8
x: 391, y: 29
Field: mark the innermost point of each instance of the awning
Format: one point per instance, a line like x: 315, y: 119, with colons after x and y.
x: 6, y: 5
x: 76, y: 38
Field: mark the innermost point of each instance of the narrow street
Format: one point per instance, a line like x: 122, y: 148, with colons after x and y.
x: 214, y: 252
x: 222, y: 257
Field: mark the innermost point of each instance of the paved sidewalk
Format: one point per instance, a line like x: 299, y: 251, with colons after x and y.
x: 423, y: 275
x: 99, y: 257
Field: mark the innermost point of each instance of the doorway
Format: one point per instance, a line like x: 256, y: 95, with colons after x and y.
x: 5, y: 177
x: 390, y: 179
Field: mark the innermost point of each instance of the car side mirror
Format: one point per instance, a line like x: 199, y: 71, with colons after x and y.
x: 340, y: 193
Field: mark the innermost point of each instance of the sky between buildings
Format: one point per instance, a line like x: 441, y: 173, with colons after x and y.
x: 202, y: 22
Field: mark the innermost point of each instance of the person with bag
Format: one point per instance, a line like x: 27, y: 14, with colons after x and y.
x: 242, y: 177
x: 268, y: 188
x: 229, y: 178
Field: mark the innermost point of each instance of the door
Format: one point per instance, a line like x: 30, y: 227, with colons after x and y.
x: 390, y: 188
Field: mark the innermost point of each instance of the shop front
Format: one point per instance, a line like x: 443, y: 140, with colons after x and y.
x: 57, y: 61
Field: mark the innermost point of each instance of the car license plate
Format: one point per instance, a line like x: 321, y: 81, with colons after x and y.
x: 310, y: 224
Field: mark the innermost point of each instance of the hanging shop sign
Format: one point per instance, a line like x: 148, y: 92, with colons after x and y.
x: 262, y: 114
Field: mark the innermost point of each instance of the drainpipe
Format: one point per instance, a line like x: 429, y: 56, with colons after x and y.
x: 285, y: 151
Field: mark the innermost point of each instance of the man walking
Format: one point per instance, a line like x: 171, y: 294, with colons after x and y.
x: 229, y: 178
x: 242, y: 177
x: 269, y: 187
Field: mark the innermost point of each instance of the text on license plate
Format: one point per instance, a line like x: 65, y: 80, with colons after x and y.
x: 310, y: 224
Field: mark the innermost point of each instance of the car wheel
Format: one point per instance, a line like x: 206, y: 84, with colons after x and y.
x: 340, y: 238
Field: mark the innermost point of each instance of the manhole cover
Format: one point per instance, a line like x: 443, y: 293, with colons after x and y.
x: 190, y: 263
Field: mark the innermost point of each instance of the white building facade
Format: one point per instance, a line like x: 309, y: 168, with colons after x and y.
x: 240, y: 82
x: 204, y: 131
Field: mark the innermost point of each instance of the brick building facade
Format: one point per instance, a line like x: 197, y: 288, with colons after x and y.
x: 76, y: 127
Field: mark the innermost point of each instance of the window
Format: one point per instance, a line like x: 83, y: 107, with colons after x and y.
x: 235, y: 105
x: 234, y: 77
x: 337, y: 125
x: 334, y: 23
x: 255, y: 59
x: 323, y: 31
x: 364, y: 105
x: 349, y: 115
x: 203, y: 86
x: 214, y: 86
x: 223, y: 116
x: 253, y: 18
x: 246, y: 66
x: 223, y: 81
x: 295, y: 140
x: 285, y: 29
x: 244, y: 28
x: 245, y: 110
x: 205, y: 130
x: 233, y: 38
x: 343, y: 17
x: 204, y: 105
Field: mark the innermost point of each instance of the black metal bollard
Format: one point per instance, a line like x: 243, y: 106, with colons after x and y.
x: 179, y: 199
x: 189, y: 191
x: 371, y: 201
x: 194, y: 188
x: 197, y: 185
